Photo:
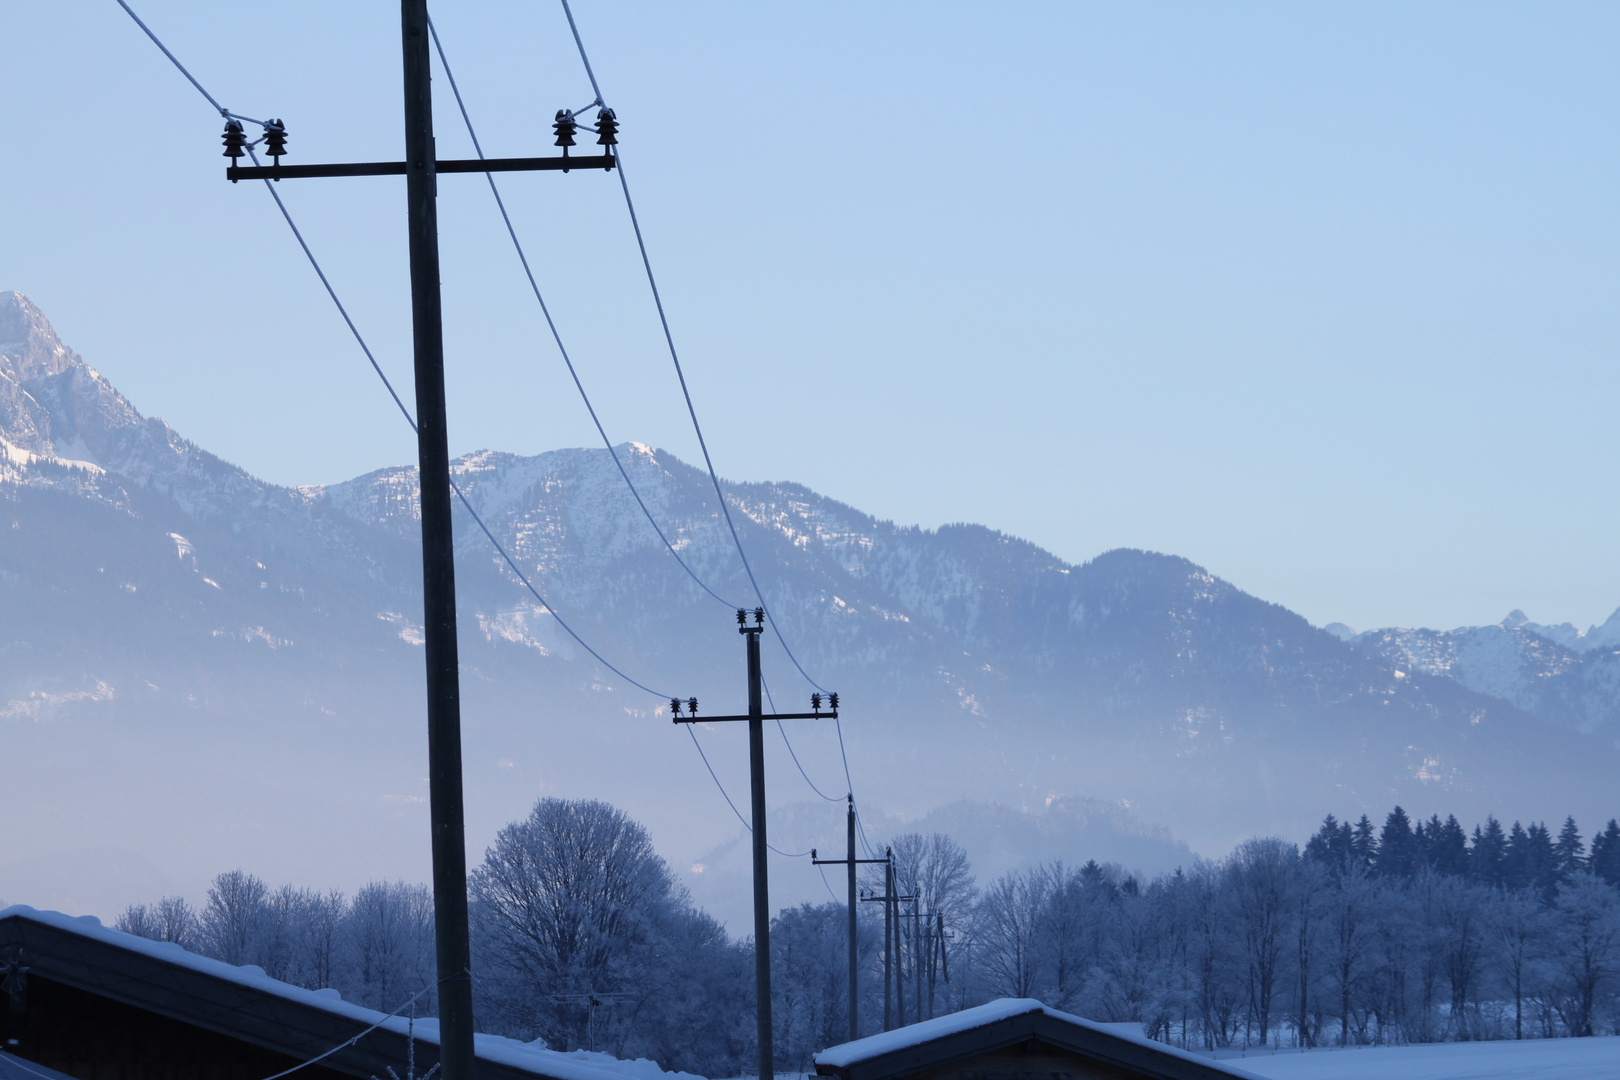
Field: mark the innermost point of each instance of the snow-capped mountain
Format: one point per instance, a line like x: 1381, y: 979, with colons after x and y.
x: 1555, y: 672
x: 200, y: 670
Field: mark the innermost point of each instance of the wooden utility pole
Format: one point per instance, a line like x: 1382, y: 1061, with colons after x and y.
x: 453, y: 952
x: 894, y: 991
x: 421, y: 169
x: 755, y: 718
x: 854, y: 965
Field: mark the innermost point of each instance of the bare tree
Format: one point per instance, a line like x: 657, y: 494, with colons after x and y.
x: 935, y: 869
x: 1008, y: 922
x: 1351, y: 907
x: 1587, y: 949
x: 234, y: 916
x: 1519, y: 925
x: 569, y: 904
x: 1260, y: 880
x: 388, y: 934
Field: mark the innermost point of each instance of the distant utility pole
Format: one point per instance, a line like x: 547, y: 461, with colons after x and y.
x: 755, y: 718
x: 917, y: 962
x: 854, y: 967
x: 421, y: 169
x: 892, y: 975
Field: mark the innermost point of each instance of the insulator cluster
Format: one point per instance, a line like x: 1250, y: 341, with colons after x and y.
x: 275, y: 139
x: 565, y: 127
x: 675, y: 706
x: 607, y: 127
x: 235, y: 140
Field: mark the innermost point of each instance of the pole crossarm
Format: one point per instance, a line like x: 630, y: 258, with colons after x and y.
x: 840, y: 862
x: 768, y: 716
x: 234, y: 173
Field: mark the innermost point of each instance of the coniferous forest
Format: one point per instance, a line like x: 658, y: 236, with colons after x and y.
x: 1407, y: 932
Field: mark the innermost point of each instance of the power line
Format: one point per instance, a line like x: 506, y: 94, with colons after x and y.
x: 545, y: 310
x: 691, y: 409
x: 669, y: 339
x: 411, y: 420
x: 825, y: 883
x: 404, y: 411
x: 130, y: 12
x: 727, y: 797
x: 552, y: 325
x: 466, y: 504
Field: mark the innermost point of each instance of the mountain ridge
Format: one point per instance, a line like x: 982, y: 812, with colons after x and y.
x: 170, y: 615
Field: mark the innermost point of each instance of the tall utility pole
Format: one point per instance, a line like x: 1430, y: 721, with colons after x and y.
x: 421, y: 169
x: 919, y: 919
x: 854, y: 967
x: 893, y: 986
x: 755, y: 718
x: 450, y: 936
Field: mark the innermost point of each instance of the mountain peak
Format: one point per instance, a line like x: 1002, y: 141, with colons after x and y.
x: 29, y: 347
x: 1515, y: 619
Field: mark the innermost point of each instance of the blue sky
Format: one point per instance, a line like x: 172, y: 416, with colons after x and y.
x: 1322, y: 297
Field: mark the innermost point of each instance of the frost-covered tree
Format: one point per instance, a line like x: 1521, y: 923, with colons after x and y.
x: 571, y: 907
x: 233, y: 919
x: 387, y: 939
x: 1586, y: 953
x: 1260, y: 882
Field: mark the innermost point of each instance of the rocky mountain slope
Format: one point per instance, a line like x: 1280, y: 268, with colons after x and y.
x: 199, y: 669
x: 1558, y: 673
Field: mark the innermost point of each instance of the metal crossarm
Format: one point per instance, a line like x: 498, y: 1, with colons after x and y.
x: 234, y: 173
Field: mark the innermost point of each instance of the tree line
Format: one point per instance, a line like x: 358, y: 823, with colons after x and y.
x: 582, y: 937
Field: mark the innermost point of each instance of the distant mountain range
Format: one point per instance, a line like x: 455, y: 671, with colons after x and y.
x: 1558, y: 673
x: 199, y: 669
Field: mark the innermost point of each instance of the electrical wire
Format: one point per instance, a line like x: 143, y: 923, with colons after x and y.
x: 772, y: 702
x: 130, y: 12
x: 691, y: 409
x: 355, y: 1039
x: 411, y: 420
x: 825, y: 882
x: 669, y: 339
x: 404, y: 411
x: 552, y: 325
x: 734, y: 810
x: 466, y: 504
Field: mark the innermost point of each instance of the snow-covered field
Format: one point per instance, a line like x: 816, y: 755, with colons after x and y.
x: 1548, y: 1059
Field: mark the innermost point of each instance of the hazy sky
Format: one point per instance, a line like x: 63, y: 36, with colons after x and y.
x: 1322, y: 297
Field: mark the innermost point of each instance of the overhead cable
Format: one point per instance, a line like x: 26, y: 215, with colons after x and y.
x: 411, y: 420
x: 669, y: 339
x: 552, y: 325
x: 745, y: 822
x: 404, y: 411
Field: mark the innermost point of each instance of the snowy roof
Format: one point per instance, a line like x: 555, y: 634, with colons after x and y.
x: 16, y: 1068
x: 297, y: 1013
x: 1008, y: 1022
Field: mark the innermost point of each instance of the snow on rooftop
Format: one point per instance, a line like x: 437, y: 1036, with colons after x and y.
x: 888, y: 1042
x: 578, y: 1065
x: 1532, y: 1059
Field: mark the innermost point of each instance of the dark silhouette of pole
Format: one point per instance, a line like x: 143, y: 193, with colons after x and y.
x: 888, y: 940
x: 438, y: 561
x: 851, y: 862
x: 762, y: 890
x: 756, y: 782
x: 854, y: 962
x: 421, y: 170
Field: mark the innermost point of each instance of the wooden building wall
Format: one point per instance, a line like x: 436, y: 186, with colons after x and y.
x: 95, y: 1038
